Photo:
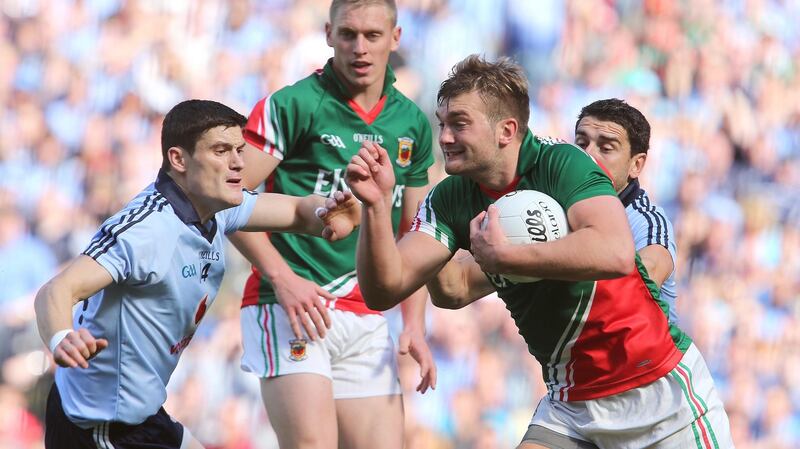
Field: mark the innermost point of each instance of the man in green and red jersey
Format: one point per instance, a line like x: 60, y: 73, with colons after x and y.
x: 341, y: 390
x: 618, y: 374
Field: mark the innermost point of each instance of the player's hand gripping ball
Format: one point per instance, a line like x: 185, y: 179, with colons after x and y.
x: 529, y: 216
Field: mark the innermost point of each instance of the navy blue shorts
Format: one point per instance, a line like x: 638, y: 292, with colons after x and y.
x: 158, y: 431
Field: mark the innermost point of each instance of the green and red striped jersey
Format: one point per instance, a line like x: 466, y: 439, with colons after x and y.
x: 314, y: 128
x: 592, y: 338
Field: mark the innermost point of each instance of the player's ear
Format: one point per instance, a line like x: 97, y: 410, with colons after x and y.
x: 177, y: 159
x: 637, y: 165
x: 328, y: 33
x: 507, y: 130
x: 396, y: 33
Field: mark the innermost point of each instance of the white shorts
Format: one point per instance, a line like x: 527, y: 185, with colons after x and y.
x: 357, y: 353
x: 680, y: 410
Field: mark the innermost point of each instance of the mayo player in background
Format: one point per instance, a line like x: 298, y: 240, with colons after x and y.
x: 303, y: 289
x: 147, y: 279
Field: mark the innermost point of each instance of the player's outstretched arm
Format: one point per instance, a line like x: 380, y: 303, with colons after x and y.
x: 459, y: 283
x: 333, y: 218
x: 388, y: 272
x: 82, y: 278
x: 599, y: 246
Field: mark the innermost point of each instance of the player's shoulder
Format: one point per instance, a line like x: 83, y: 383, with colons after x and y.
x: 453, y: 188
x: 542, y: 153
x: 146, y: 209
x: 147, y: 221
x: 306, y: 91
x: 401, y: 101
x: 554, y: 146
x: 641, y: 204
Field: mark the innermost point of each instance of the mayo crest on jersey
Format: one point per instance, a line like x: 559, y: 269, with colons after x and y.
x: 167, y: 268
x: 314, y: 129
x: 592, y: 338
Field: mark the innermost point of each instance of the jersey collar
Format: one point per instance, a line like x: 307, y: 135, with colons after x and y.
x: 183, y: 207
x: 630, y: 192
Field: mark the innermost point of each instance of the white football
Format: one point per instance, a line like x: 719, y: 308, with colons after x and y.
x: 529, y: 216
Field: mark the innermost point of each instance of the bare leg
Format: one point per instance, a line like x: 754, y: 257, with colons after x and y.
x: 373, y: 422
x: 301, y: 410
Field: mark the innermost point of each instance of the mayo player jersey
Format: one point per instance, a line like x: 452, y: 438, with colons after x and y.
x: 650, y: 226
x: 592, y: 338
x: 315, y: 129
x: 167, y: 268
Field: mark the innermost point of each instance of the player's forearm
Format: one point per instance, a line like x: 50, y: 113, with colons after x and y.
x: 378, y: 261
x: 413, y: 310
x: 452, y: 288
x: 306, y: 219
x: 285, y: 213
x: 583, y: 255
x: 658, y: 262
x: 259, y: 251
x: 448, y: 289
x: 53, y: 308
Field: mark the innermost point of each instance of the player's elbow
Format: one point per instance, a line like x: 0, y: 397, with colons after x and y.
x: 379, y: 300
x: 40, y: 300
x: 621, y: 263
x: 446, y: 302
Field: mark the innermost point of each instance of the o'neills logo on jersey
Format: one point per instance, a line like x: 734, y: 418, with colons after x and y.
x: 332, y: 140
x: 405, y: 145
x: 377, y: 138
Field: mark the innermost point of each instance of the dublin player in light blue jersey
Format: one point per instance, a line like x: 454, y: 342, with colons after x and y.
x: 617, y: 136
x: 147, y: 278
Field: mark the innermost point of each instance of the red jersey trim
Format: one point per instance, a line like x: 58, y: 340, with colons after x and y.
x: 351, y: 302
x: 624, y: 343
x: 608, y: 173
x: 253, y: 132
x: 370, y: 116
x: 496, y: 194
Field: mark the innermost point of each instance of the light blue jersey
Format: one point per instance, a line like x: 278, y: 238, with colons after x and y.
x: 167, y: 269
x: 650, y: 226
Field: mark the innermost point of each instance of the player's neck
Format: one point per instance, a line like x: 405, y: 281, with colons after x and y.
x: 504, y: 172
x: 367, y: 98
x: 204, y: 211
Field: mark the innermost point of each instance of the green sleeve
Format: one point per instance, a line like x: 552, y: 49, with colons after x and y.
x: 435, y: 217
x: 278, y: 122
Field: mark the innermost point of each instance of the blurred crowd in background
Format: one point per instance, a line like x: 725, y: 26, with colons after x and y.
x: 84, y: 85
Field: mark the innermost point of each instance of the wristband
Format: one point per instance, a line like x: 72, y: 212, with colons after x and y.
x: 57, y: 337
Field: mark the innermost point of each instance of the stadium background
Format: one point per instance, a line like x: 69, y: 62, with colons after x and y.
x: 84, y: 84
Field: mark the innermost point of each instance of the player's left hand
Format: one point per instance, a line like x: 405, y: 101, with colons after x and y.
x: 412, y: 341
x: 487, y: 240
x: 341, y: 215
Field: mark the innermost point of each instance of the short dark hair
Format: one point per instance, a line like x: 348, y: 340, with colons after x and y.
x: 337, y: 4
x: 626, y: 116
x: 186, y: 122
x: 501, y: 85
